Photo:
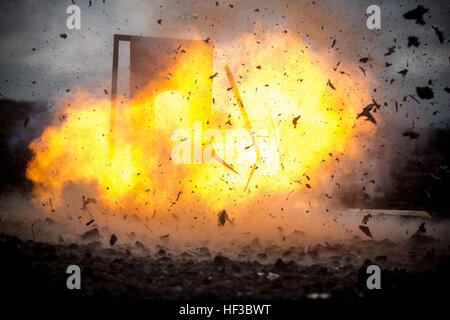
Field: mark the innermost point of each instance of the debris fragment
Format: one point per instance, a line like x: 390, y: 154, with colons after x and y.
x: 159, y: 21
x: 51, y: 205
x: 221, y: 161
x: 294, y: 121
x: 391, y: 50
x: 425, y: 93
x: 365, y: 230
x: 363, y: 70
x: 411, y: 134
x: 223, y: 217
x: 25, y: 123
x: 413, y: 41
x: 189, y: 16
x: 247, y: 122
x: 90, y: 222
x: 330, y: 85
x: 366, y: 218
x: 63, y: 35
x: 113, y: 239
x: 364, y: 60
x: 366, y: 112
x: 86, y: 201
x: 422, y: 228
x: 416, y: 14
x: 439, y: 34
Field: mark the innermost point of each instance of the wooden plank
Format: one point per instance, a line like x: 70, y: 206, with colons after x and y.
x: 375, y: 212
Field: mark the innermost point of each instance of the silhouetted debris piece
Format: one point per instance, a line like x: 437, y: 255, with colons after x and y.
x: 365, y: 230
x: 447, y: 89
x: 207, y: 40
x: 416, y: 14
x: 159, y: 21
x: 364, y: 60
x: 422, y: 228
x: 91, y: 234
x: 90, y: 222
x: 164, y: 236
x: 178, y: 196
x: 412, y: 97
x: 411, y: 134
x: 337, y: 65
x: 113, y: 239
x: 425, y: 93
x: 330, y: 85
x: 222, y: 217
x: 214, y: 75
x: 366, y: 218
x: 334, y: 42
x: 367, y: 112
x: 403, y: 72
x: 26, y: 122
x: 387, y: 64
x: 439, y: 34
x: 391, y: 50
x: 363, y: 70
x: 86, y: 201
x: 51, y: 205
x: 63, y: 35
x: 294, y: 121
x: 413, y: 41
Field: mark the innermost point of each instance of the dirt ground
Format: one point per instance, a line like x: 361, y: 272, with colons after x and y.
x: 333, y: 271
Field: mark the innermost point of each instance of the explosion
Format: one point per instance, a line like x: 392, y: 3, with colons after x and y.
x: 188, y: 149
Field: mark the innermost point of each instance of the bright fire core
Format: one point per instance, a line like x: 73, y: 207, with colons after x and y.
x: 301, y: 111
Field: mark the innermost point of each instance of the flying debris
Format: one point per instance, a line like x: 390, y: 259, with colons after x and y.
x: 413, y: 41
x: 366, y: 218
x: 86, y: 201
x: 189, y: 16
x: 223, y: 217
x: 425, y: 93
x: 367, y: 112
x: 330, y: 85
x: 113, y: 239
x: 366, y: 230
x: 294, y: 121
x: 439, y: 34
x: 391, y: 50
x: 411, y: 134
x: 416, y: 14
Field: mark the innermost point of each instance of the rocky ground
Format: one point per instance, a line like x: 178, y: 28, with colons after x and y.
x: 415, y: 268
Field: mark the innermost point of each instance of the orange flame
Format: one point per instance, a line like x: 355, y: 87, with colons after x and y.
x: 300, y: 124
